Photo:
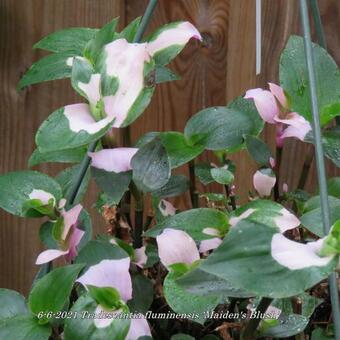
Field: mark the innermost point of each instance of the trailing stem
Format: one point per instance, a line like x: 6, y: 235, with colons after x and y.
x: 193, y: 191
x: 249, y: 331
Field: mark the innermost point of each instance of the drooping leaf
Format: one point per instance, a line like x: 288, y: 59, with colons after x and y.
x: 193, y: 222
x: 12, y: 304
x: 17, y: 186
x: 151, y: 166
x: 24, y: 327
x: 224, y: 127
x: 64, y: 156
x: 113, y: 184
x: 51, y: 292
x: 51, y: 67
x: 294, y: 80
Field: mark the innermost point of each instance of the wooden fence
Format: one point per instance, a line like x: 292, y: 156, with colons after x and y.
x: 210, y: 75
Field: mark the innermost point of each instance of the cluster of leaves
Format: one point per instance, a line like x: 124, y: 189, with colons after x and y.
x: 256, y: 250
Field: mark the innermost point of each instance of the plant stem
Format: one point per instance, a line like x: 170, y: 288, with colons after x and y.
x: 305, y: 168
x: 248, y: 333
x: 192, y: 187
x: 277, y: 173
x: 320, y: 162
x: 84, y: 165
x: 145, y: 20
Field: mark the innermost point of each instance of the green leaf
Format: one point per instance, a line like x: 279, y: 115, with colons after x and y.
x: 64, y: 156
x: 12, y: 304
x: 24, y: 327
x: 258, y: 150
x: 96, y: 251
x: 182, y: 336
x: 107, y: 297
x: 198, y: 282
x: 222, y: 175
x: 151, y: 166
x: 245, y: 259
x: 183, y: 302
x: 71, y: 40
x: 51, y: 67
x: 294, y: 80
x: 142, y: 294
x: 313, y: 221
x: 287, y: 326
x: 224, y: 127
x: 54, y: 134
x: 130, y: 30
x: 177, y: 185
x: 333, y: 186
x: 80, y: 327
x: 50, y: 293
x: 139, y: 105
x: 113, y: 184
x: 179, y: 150
x: 163, y: 75
x: 66, y: 179
x: 203, y: 172
x: 193, y: 222
x: 17, y: 186
x: 103, y: 36
x: 321, y: 334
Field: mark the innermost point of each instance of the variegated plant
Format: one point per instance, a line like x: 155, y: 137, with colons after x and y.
x: 221, y: 255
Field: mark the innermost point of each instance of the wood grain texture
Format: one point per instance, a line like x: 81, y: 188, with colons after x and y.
x: 212, y: 74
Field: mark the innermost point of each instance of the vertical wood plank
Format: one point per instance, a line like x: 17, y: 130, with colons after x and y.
x: 22, y: 113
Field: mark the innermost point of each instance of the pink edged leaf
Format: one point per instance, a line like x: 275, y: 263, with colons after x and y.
x: 138, y: 328
x: 75, y: 238
x: 110, y: 273
x: 126, y: 62
x: 172, y: 35
x: 116, y: 160
x: 41, y: 195
x: 91, y: 89
x: 210, y: 244
x: 166, y: 208
x: 279, y: 94
x: 176, y: 246
x: 294, y: 255
x: 264, y: 182
x: 49, y: 255
x: 70, y: 219
x: 286, y: 221
x: 80, y: 119
x: 265, y: 103
x: 298, y: 126
x: 140, y: 257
